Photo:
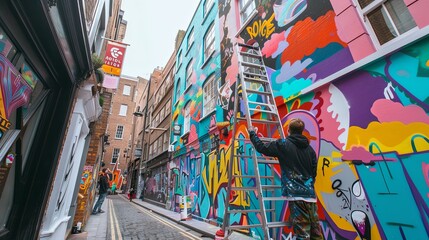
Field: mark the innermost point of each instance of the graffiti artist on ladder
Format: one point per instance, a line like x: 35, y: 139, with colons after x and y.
x: 298, y: 163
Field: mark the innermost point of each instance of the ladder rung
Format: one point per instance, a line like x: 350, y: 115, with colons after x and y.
x: 253, y: 65
x: 247, y: 46
x: 257, y: 92
x: 247, y: 74
x: 266, y: 139
x: 262, y: 110
x: 256, y: 80
x: 244, y: 176
x: 275, y: 198
x: 278, y: 224
x: 259, y: 121
x: 244, y: 188
x: 271, y: 186
x: 243, y: 226
x: 261, y: 103
x: 244, y: 210
x: 257, y: 157
x: 249, y: 54
x: 267, y: 177
x: 242, y: 139
x: 268, y: 161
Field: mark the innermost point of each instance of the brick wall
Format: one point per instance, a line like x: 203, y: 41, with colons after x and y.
x: 127, y: 122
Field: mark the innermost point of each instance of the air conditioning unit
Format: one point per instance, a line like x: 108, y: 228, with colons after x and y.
x: 171, y: 148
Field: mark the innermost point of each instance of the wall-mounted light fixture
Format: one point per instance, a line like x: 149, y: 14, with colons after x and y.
x: 155, y: 129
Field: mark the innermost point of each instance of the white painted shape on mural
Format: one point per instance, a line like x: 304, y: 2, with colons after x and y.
x: 288, y: 237
x: 388, y: 91
x: 339, y: 109
x: 289, y: 70
x: 358, y: 191
x: 288, y: 10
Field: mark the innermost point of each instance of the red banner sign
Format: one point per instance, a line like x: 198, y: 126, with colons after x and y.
x: 114, y: 58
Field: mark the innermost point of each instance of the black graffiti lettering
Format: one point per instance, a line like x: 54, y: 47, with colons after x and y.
x: 326, y: 163
x: 341, y: 193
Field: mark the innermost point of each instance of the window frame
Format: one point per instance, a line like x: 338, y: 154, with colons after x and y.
x: 190, y: 38
x: 370, y: 8
x: 179, y: 60
x: 123, y: 107
x: 187, y: 118
x: 189, y: 71
x: 243, y: 9
x: 209, y: 83
x: 211, y: 44
x: 178, y: 89
x: 115, y: 153
x: 128, y: 92
x: 120, y: 131
x: 208, y: 4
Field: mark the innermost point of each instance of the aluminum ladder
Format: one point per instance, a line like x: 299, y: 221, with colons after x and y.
x: 258, y: 105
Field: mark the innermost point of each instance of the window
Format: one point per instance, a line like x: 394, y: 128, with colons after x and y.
x: 115, y: 155
x: 207, y: 5
x: 190, y: 38
x: 19, y: 124
x: 123, y: 110
x: 155, y: 147
x: 175, y: 123
x: 168, y: 107
x: 7, y: 48
x: 209, y: 95
x: 189, y: 73
x: 178, y: 90
x: 187, y: 120
x: 166, y: 140
x: 179, y: 59
x: 388, y: 19
x: 119, y: 132
x: 246, y: 8
x: 127, y: 90
x: 162, y: 114
x: 156, y: 120
x: 209, y: 42
x: 159, y: 140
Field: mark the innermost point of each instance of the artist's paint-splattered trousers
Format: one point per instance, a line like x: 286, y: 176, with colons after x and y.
x: 303, y: 216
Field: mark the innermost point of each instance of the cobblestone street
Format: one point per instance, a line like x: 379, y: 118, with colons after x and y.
x: 129, y: 221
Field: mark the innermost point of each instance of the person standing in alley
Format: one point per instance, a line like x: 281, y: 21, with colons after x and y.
x: 103, y: 182
x: 298, y: 163
x: 142, y: 187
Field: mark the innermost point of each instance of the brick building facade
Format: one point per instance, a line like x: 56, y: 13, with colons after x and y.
x: 120, y: 127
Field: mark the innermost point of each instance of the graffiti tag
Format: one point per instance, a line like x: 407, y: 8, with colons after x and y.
x: 265, y: 28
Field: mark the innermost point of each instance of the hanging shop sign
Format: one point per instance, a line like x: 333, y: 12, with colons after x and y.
x: 114, y: 58
x: 177, y: 130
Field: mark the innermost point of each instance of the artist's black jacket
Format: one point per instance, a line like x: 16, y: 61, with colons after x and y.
x: 298, y: 163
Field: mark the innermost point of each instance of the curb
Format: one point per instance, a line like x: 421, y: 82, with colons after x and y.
x: 204, y: 233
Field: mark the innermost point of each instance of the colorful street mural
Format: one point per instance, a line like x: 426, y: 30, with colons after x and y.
x: 370, y: 128
x: 116, y: 177
x: 15, y: 91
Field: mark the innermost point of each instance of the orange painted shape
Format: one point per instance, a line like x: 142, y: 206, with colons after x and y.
x: 308, y: 35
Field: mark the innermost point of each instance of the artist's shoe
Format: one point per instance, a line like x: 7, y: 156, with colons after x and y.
x: 100, y: 211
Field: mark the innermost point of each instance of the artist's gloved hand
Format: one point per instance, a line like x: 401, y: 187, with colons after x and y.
x: 252, y: 129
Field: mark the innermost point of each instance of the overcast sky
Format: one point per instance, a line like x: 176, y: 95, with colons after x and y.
x: 151, y: 32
